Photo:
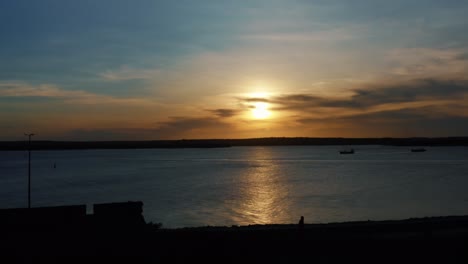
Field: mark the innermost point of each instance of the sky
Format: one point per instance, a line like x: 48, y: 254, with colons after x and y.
x: 149, y: 70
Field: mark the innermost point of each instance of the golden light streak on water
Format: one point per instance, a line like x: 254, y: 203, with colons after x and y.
x: 264, y: 196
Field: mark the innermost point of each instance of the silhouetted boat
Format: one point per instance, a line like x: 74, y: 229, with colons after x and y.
x: 418, y: 150
x: 351, y: 151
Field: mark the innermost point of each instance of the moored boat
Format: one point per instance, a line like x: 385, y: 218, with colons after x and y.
x: 418, y: 150
x: 351, y: 151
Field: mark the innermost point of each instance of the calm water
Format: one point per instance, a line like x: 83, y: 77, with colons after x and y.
x: 247, y: 185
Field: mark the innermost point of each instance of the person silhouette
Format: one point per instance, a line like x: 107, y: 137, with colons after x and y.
x: 300, y: 230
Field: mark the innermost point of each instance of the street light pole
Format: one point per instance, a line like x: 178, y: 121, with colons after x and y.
x: 29, y: 168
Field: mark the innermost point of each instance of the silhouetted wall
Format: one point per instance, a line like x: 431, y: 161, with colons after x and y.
x: 43, y: 217
x: 123, y: 215
x: 119, y: 214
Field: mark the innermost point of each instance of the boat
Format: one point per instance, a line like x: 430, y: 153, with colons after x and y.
x: 418, y: 150
x: 351, y: 151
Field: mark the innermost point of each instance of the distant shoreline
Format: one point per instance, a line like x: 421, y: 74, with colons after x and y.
x: 222, y: 143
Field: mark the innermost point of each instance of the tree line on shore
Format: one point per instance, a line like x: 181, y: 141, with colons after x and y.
x: 214, y: 143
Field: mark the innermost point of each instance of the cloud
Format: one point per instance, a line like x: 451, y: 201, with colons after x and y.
x: 373, y: 96
x: 424, y: 121
x: 426, y: 89
x: 50, y: 91
x: 307, y: 101
x: 18, y: 89
x: 462, y: 56
x: 427, y: 62
x: 224, y: 112
x: 126, y: 73
x: 325, y: 34
x: 425, y: 107
x: 373, y: 117
x: 254, y: 100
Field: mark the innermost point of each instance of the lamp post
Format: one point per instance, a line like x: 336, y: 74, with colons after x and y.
x: 29, y: 168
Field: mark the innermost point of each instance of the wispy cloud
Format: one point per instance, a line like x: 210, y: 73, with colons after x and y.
x: 424, y: 121
x: 222, y: 112
x: 462, y: 56
x: 373, y: 96
x: 427, y: 62
x: 254, y: 99
x: 19, y: 89
x: 313, y: 35
x: 418, y: 90
x: 128, y: 73
x: 51, y: 91
x: 384, y: 109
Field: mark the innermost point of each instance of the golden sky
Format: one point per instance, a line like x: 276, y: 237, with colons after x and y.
x: 111, y: 70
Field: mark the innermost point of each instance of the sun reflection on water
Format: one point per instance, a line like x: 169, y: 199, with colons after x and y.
x: 263, y: 197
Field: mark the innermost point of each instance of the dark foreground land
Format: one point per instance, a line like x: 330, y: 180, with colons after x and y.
x: 425, y: 240
x: 218, y: 143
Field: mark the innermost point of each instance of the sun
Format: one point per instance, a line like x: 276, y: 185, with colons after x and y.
x: 260, y: 110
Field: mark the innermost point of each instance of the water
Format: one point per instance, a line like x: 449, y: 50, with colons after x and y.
x: 246, y: 185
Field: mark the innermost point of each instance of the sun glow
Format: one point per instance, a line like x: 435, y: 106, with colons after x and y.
x: 260, y: 110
